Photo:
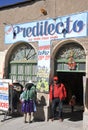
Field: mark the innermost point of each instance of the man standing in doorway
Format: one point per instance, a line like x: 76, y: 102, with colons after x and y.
x: 57, y: 95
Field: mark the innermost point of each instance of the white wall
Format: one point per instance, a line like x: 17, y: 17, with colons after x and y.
x: 2, y: 59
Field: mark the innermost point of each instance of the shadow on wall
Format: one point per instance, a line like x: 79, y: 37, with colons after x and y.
x: 39, y: 115
x: 86, y: 94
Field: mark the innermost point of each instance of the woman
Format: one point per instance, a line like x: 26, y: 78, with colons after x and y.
x: 27, y: 98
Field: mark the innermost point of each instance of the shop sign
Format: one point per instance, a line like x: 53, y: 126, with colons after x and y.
x: 74, y: 25
x: 4, y: 96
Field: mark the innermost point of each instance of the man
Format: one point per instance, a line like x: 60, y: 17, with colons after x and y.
x: 57, y: 94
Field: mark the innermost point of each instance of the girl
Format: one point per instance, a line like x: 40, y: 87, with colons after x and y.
x: 72, y: 102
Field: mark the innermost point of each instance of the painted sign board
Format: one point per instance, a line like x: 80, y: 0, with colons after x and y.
x: 75, y: 25
x: 4, y: 94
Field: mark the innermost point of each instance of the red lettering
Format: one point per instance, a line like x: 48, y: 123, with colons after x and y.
x: 44, y: 47
x: 47, y: 57
x: 3, y: 105
x: 40, y: 57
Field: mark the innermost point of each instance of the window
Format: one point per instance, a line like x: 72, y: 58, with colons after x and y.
x: 23, y: 64
x: 70, y: 57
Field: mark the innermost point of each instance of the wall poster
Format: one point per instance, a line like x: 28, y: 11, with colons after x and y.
x: 43, y: 67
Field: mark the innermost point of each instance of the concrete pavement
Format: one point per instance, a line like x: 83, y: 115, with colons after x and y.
x: 18, y: 124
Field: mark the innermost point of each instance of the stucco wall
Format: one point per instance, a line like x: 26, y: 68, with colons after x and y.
x: 31, y: 12
x: 2, y: 58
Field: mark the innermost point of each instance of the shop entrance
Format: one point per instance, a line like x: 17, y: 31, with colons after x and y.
x: 70, y: 67
x: 74, y: 85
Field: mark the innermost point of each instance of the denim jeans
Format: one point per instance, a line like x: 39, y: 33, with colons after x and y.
x: 57, y: 103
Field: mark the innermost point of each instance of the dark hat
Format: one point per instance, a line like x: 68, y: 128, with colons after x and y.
x: 55, y: 78
x: 17, y: 84
x: 29, y: 84
x: 73, y: 96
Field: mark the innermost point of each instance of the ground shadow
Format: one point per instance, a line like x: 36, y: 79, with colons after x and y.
x: 76, y: 115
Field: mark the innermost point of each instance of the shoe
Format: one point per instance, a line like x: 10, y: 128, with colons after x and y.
x: 25, y: 121
x: 30, y: 121
x: 52, y: 119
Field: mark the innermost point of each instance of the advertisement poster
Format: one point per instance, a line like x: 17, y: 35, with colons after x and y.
x: 43, y: 67
x: 4, y: 96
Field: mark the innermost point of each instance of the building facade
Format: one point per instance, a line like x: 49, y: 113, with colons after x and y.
x: 43, y: 38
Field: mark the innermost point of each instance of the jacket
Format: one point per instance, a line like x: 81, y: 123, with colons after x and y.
x: 58, y: 92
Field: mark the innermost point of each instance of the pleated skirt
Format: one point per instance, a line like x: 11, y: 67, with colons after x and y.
x: 28, y: 106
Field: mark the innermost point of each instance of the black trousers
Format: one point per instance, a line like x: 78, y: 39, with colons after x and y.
x: 57, y: 103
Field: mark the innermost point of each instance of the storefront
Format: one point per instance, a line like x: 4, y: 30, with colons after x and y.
x: 69, y: 65
x: 39, y: 50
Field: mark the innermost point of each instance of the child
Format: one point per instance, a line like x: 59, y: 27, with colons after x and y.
x: 72, y: 102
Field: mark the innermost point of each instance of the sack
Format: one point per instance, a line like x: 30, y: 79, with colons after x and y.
x: 34, y: 107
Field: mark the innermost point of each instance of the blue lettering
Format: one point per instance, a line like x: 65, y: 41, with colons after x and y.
x: 41, y: 29
x: 77, y: 26
x: 28, y: 32
x: 44, y: 28
x: 51, y: 29
x: 35, y: 30
x: 3, y: 97
x: 68, y: 21
x: 16, y: 29
x: 43, y: 52
x: 58, y: 29
x: 1, y: 83
x: 24, y: 31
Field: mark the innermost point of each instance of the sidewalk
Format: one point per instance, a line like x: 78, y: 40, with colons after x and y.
x: 17, y: 124
x: 72, y: 121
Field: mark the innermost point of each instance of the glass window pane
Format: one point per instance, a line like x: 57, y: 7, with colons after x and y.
x: 20, y: 69
x: 27, y: 69
x: 59, y: 66
x: 13, y: 69
x: 81, y: 66
x: 34, y: 70
x: 66, y: 67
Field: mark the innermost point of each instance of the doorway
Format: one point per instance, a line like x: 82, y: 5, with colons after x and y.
x: 70, y: 66
x: 74, y: 85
